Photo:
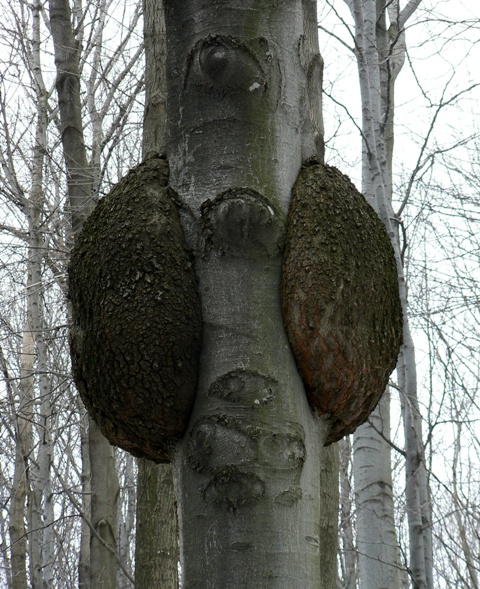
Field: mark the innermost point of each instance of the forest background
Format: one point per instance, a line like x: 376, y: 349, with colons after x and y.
x: 45, y: 469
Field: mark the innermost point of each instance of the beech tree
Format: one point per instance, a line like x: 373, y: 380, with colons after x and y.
x: 242, y: 99
x: 380, y: 52
x: 243, y: 129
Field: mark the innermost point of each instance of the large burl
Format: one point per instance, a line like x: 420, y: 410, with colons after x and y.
x: 340, y: 298
x: 136, y: 331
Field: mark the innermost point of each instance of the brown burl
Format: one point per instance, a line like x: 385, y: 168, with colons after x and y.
x: 340, y: 298
x: 136, y: 334
x: 136, y: 312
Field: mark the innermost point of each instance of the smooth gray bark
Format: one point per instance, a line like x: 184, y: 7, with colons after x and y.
x: 376, y: 540
x: 247, y: 473
x: 380, y: 54
x: 156, y: 548
x: 104, y: 507
x: 376, y: 535
x: 329, y: 503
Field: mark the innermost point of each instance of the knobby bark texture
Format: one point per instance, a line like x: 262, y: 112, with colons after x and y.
x: 247, y: 473
x: 135, y: 309
x: 329, y: 464
x: 340, y: 298
x: 239, y: 126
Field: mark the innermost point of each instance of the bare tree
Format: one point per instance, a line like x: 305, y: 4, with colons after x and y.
x: 36, y: 233
x: 385, y: 53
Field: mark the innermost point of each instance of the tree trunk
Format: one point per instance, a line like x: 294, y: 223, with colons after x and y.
x: 154, y: 36
x: 79, y: 177
x: 104, y: 481
x: 329, y: 499
x: 126, y: 524
x: 23, y: 432
x: 329, y: 462
x: 105, y: 490
x: 348, y: 547
x: 380, y: 54
x: 376, y: 535
x: 156, y: 548
x: 85, y: 477
x: 37, y: 390
x: 238, y: 129
x: 156, y: 544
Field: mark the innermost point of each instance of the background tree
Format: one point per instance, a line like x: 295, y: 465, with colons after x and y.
x: 36, y: 233
x: 156, y: 548
x: 430, y: 146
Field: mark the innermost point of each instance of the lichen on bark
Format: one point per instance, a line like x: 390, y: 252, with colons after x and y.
x: 136, y: 334
x: 340, y: 298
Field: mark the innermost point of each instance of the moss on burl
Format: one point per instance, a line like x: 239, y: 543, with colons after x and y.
x: 340, y: 298
x: 136, y: 333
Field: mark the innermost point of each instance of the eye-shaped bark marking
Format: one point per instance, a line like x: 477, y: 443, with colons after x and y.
x: 221, y: 440
x: 241, y: 222
x: 245, y: 387
x: 221, y: 64
x: 281, y: 451
x: 218, y: 441
x: 233, y: 488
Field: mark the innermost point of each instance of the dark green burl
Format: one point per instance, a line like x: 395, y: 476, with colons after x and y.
x: 136, y: 334
x: 340, y: 298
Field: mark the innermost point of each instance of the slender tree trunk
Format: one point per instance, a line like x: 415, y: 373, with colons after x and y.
x: 348, y: 546
x: 376, y: 535
x: 248, y: 470
x: 329, y: 500
x: 380, y: 54
x: 154, y: 35
x: 416, y: 492
x: 156, y: 547
x: 329, y: 469
x: 38, y: 484
x: 23, y: 431
x: 126, y: 522
x: 104, y: 481
x: 84, y: 555
x: 79, y: 176
x: 104, y: 507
